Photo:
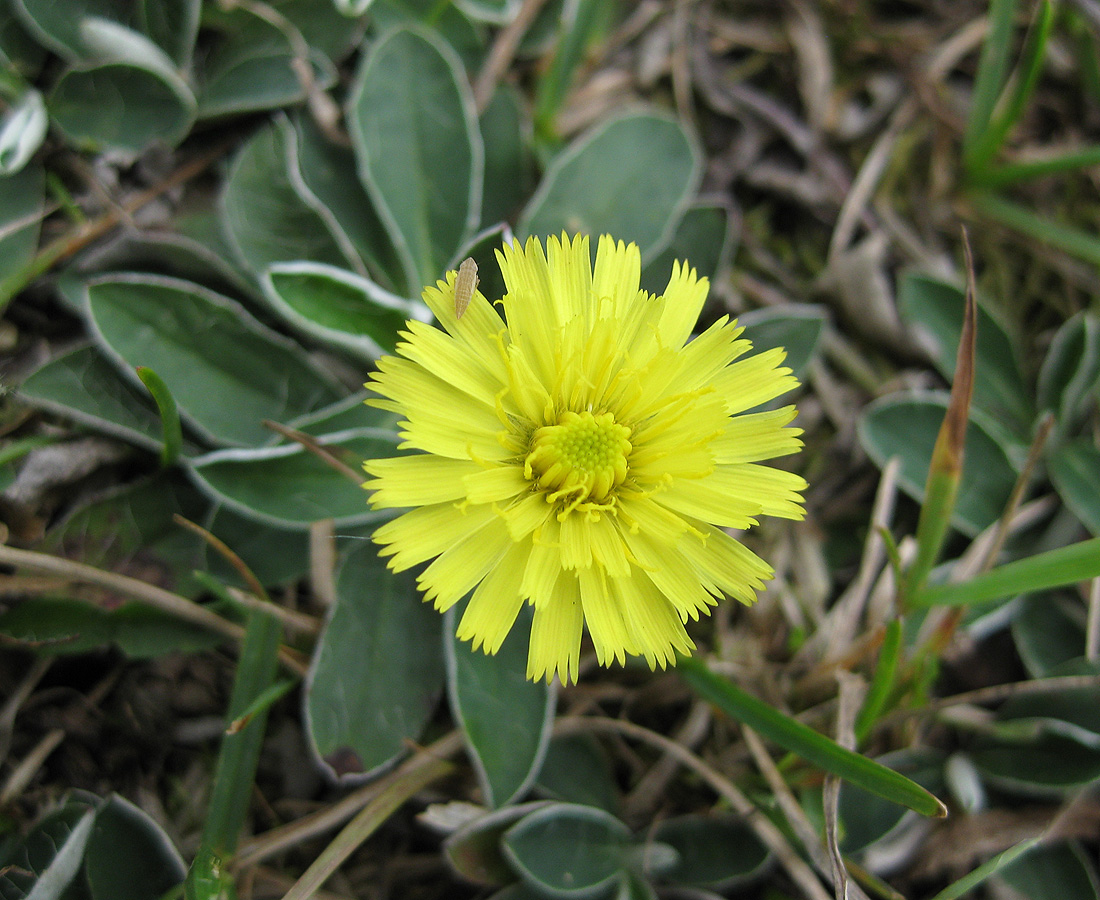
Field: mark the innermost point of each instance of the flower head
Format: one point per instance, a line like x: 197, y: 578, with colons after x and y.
x: 579, y: 453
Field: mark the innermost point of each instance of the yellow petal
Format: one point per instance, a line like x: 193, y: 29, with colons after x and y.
x: 495, y: 484
x: 556, y: 635
x: 777, y: 491
x: 671, y: 573
x: 495, y: 603
x: 463, y: 565
x: 419, y: 535
x: 656, y: 631
x: 615, y: 279
x: 755, y: 380
x: 684, y: 297
x: 479, y: 324
x: 757, y: 436
x: 417, y: 480
x: 728, y: 564
x: 478, y: 372
x: 605, y: 617
x: 703, y: 498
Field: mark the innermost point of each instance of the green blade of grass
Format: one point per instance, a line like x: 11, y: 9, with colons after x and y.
x: 883, y: 681
x: 992, y: 74
x: 807, y: 743
x: 999, y: 176
x: 169, y: 414
x: 412, y: 777
x: 577, y: 30
x: 1055, y: 568
x: 945, y: 468
x: 968, y: 882
x: 240, y: 751
x: 1071, y: 240
x: 983, y: 150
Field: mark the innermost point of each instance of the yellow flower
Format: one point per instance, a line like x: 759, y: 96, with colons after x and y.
x: 581, y: 454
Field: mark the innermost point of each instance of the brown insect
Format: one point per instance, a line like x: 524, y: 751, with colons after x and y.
x: 465, y: 285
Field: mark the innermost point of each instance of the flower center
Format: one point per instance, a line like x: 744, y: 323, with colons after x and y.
x: 582, y: 458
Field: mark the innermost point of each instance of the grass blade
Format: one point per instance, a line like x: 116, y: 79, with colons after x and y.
x: 968, y: 882
x: 169, y: 414
x: 945, y: 469
x: 992, y: 74
x: 1078, y: 243
x: 239, y: 754
x: 1055, y: 568
x: 807, y: 743
x: 991, y: 140
x: 1010, y: 173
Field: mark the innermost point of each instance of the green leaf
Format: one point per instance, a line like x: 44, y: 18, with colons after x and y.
x: 1070, y: 375
x: 347, y: 415
x: 59, y: 24
x: 593, y: 185
x: 568, y: 851
x: 128, y: 856
x: 509, y: 167
x: 325, y: 28
x: 338, y: 308
x: 324, y: 176
x: 60, y: 626
x: 200, y: 256
x: 474, y: 850
x: 133, y: 531
x: 505, y: 718
x: 22, y: 130
x: 796, y: 327
x: 444, y: 20
x: 377, y: 672
x: 276, y: 556
x: 1075, y: 471
x: 1049, y: 765
x: 807, y: 743
x: 21, y: 211
x: 716, y: 852
x: 47, y: 860
x: 173, y: 25
x: 289, y: 487
x: 906, y: 426
x: 227, y: 371
x: 497, y: 12
x: 1079, y: 706
x: 265, y: 219
x: 126, y: 96
x: 414, y: 129
x: 980, y: 153
x: 703, y: 238
x: 83, y: 386
x: 1052, y: 871
x: 868, y: 820
x: 935, y: 308
x: 252, y: 66
x: 577, y: 770
x: 1048, y: 632
x: 1051, y: 569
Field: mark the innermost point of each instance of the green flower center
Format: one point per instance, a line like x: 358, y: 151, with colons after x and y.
x: 582, y: 459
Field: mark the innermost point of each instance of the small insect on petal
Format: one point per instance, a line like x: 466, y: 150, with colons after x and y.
x: 465, y: 285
